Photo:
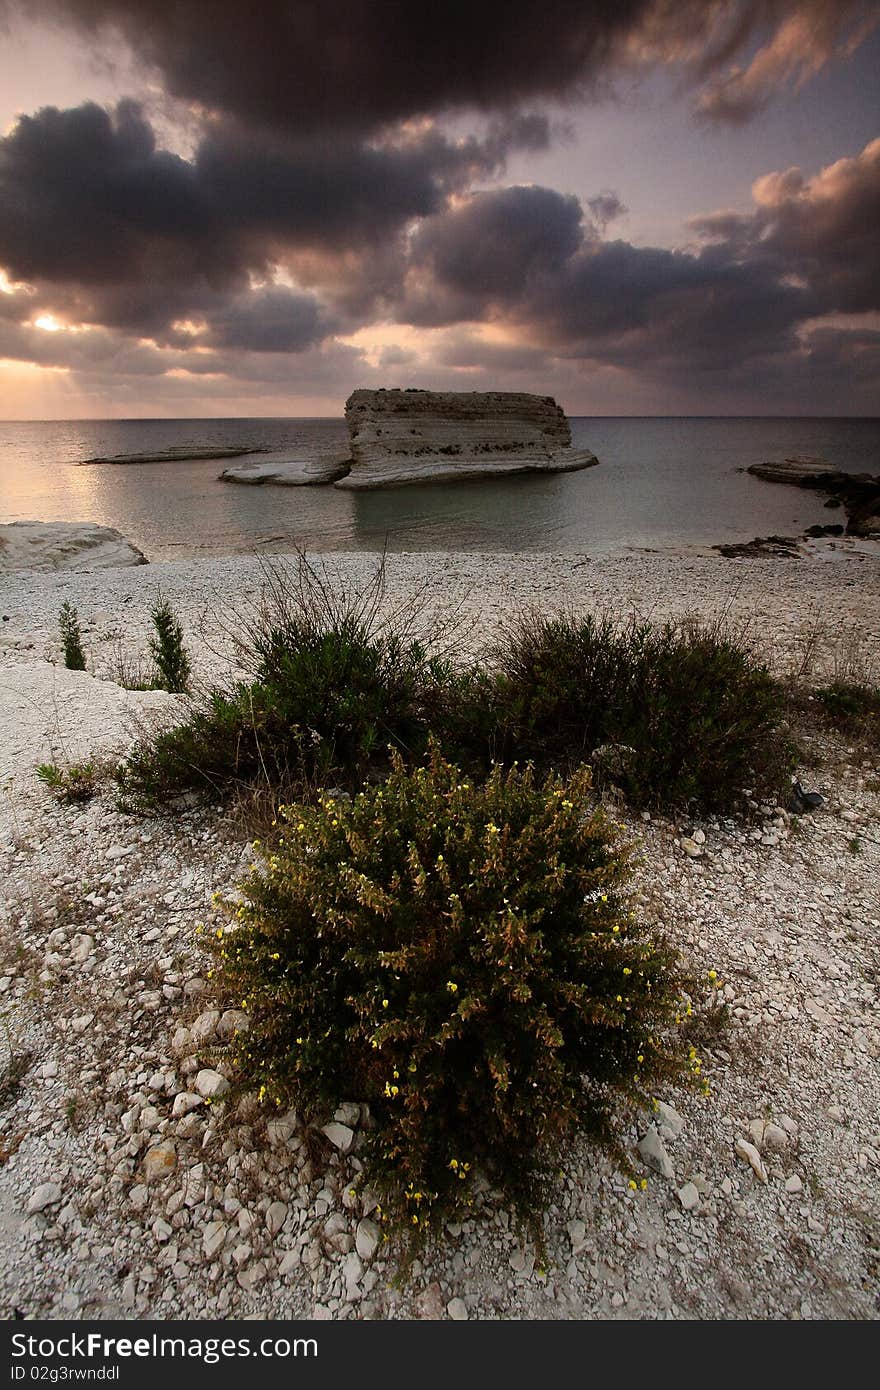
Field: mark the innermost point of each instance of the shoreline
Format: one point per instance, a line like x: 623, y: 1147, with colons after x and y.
x: 781, y: 600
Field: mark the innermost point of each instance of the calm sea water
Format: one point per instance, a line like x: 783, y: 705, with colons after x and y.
x: 661, y: 483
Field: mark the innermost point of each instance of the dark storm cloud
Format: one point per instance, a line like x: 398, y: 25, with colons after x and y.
x: 308, y: 65
x: 629, y: 305
x: 822, y: 230
x: 521, y: 257
x: 491, y: 248
x: 268, y: 320
x: 132, y: 235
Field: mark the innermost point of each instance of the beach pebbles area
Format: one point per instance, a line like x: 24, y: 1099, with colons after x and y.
x: 130, y: 1187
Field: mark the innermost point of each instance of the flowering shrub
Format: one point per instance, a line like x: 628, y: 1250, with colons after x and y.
x: 461, y: 957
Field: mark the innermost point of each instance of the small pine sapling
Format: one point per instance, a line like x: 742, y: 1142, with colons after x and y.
x: 168, y: 651
x: 74, y: 656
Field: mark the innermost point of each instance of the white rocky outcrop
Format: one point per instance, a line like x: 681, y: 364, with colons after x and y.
x: 64, y: 545
x: 428, y: 436
x: 289, y: 472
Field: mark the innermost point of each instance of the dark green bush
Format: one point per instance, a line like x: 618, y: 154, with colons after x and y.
x: 854, y: 708
x: 332, y: 688
x: 461, y: 957
x: 167, y: 650
x: 702, y: 717
x: 74, y: 656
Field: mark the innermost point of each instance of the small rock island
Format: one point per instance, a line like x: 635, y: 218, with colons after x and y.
x: 428, y: 436
x: 398, y: 437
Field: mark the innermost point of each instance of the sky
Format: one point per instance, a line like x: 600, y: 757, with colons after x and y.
x: 640, y: 207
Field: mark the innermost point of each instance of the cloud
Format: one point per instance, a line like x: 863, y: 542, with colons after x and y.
x: 318, y: 65
x: 807, y: 38
x: 131, y: 235
x: 523, y: 260
x: 606, y: 207
x: 490, y: 248
x: 820, y: 231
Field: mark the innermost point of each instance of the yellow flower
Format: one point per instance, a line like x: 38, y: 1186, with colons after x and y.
x: 384, y: 1003
x: 713, y: 974
x: 452, y: 986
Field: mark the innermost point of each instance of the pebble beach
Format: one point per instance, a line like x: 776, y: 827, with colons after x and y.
x: 128, y: 1189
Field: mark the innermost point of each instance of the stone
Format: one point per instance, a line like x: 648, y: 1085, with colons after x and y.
x: 213, y: 1239
x: 420, y: 436
x: 181, y: 1043
x: 160, y: 1161
x: 184, y: 1102
x: 577, y: 1234
x: 348, y: 1114
x: 205, y: 1026
x: 367, y: 1238
x: 340, y: 1136
x: 776, y: 547
x: 775, y: 1139
x: 749, y: 1154
x: 653, y: 1151
x: 276, y: 1217
x: 48, y: 1194
x: 82, y: 947
x: 71, y: 546
x: 282, y: 1129
x: 210, y: 1084
x: 614, y: 761
x: 794, y: 1184
x: 690, y: 847
x: 457, y: 1310
x: 232, y: 1021
x: 252, y: 1276
x: 324, y: 468
x: 689, y: 1197
x: 289, y: 1262
x: 669, y: 1122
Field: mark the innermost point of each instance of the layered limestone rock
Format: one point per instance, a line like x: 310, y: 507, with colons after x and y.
x: 429, y: 436
x: 289, y: 472
x: 64, y: 545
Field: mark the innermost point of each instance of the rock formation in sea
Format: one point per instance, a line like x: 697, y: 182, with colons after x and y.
x: 857, y: 493
x: 181, y: 455
x: 64, y: 545
x: 428, y: 436
x: 290, y: 472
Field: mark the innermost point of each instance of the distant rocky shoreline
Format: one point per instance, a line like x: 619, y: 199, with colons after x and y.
x: 858, y: 494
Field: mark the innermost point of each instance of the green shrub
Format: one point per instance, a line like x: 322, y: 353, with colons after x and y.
x: 332, y: 688
x: 74, y: 656
x: 854, y: 708
x: 167, y: 649
x: 460, y: 956
x: 701, y: 717
x: 78, y: 782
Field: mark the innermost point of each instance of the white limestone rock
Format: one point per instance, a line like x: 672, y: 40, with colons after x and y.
x: 64, y: 545
x: 429, y: 436
x: 326, y: 468
x: 653, y: 1151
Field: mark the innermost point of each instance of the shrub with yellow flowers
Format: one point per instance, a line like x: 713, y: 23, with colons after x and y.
x: 462, y: 957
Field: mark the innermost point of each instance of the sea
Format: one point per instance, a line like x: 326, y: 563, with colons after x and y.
x: 671, y: 483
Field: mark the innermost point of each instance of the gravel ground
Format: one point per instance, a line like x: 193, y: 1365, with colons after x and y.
x: 127, y: 1190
